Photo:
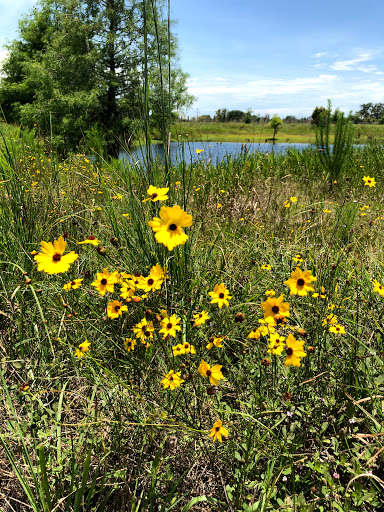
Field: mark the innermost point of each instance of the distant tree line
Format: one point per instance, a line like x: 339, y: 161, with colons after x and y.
x: 223, y: 115
x: 369, y: 113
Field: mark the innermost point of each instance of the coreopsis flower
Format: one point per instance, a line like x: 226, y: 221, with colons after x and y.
x: 368, y: 181
x: 172, y: 380
x: 105, y: 281
x: 83, y: 348
x: 168, y: 228
x: 300, y: 282
x: 287, y: 204
x: 52, y: 260
x: 170, y: 326
x: 200, y: 318
x: 127, y: 292
x: 129, y: 344
x: 377, y: 287
x: 293, y: 199
x: 294, y: 351
x: 268, y: 327
x: 91, y: 240
x: 178, y: 349
x: 144, y: 330
x: 214, y: 374
x: 115, y: 309
x: 276, y: 344
x: 188, y: 349
x: 76, y: 283
x: 215, y: 341
x: 337, y: 329
x: 220, y: 295
x: 266, y: 267
x: 298, y: 258
x: 322, y: 295
x: 218, y: 431
x: 156, y: 194
x: 198, y: 151
x: 275, y: 307
x: 329, y: 320
x: 131, y: 279
x: 153, y: 281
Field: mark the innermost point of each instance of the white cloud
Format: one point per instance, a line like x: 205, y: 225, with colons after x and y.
x: 258, y: 88
x: 353, y: 64
x: 318, y: 55
x: 297, y: 96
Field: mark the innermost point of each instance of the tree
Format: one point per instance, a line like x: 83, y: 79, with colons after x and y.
x: 84, y: 62
x: 275, y: 124
x: 290, y: 119
x: 235, y: 115
x: 370, y: 112
x: 221, y: 115
x: 318, y: 115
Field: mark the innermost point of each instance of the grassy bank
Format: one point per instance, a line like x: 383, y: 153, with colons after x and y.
x: 90, y: 420
x: 258, y: 133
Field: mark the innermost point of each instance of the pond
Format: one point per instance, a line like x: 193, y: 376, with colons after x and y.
x: 213, y: 151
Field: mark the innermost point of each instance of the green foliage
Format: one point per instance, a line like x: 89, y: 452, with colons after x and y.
x: 275, y: 124
x: 81, y: 63
x: 318, y: 116
x: 336, y: 157
x: 101, y: 430
x: 370, y: 113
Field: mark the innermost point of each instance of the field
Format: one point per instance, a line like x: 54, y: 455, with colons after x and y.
x: 228, y: 356
x: 240, y: 132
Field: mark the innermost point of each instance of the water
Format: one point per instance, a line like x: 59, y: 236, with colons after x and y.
x: 213, y: 151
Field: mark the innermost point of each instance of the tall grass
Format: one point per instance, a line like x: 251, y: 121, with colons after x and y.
x: 100, y: 432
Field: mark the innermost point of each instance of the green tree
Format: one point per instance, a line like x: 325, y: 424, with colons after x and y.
x: 370, y: 113
x: 275, y: 124
x: 221, y: 115
x: 236, y: 115
x: 318, y: 115
x: 80, y: 63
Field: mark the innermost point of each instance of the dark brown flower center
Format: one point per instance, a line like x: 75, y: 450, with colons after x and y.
x: 289, y: 351
x: 150, y: 282
x: 171, y: 378
x: 300, y: 282
x: 172, y: 227
x: 73, y: 283
x: 169, y: 326
x: 117, y: 308
x: 154, y: 195
x: 217, y: 429
x: 275, y: 309
x: 147, y: 333
x: 208, y: 373
x: 186, y: 345
x: 221, y: 295
x: 103, y: 281
x: 91, y: 237
x: 129, y: 343
x: 56, y: 257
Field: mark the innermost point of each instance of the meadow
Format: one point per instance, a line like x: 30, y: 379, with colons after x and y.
x: 288, y: 132
x: 196, y: 337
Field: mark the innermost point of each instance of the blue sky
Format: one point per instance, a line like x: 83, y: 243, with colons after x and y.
x: 273, y: 57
